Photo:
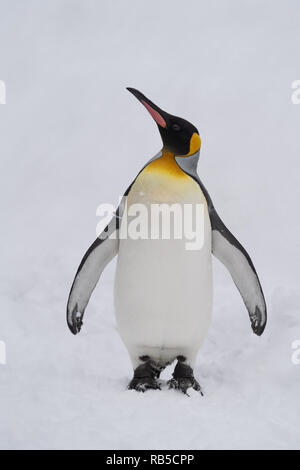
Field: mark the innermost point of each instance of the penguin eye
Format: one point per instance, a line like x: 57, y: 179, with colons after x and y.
x: 175, y: 127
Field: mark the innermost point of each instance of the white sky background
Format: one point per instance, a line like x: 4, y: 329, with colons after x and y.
x: 72, y: 137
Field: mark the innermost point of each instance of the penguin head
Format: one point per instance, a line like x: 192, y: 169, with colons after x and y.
x: 178, y: 135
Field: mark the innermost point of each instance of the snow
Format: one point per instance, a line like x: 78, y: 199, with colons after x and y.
x: 72, y: 137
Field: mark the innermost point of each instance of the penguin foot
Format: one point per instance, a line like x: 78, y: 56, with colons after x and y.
x: 183, y: 378
x: 183, y: 384
x: 145, y: 377
x: 142, y: 384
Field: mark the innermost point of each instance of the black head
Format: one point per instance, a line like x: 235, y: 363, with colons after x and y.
x: 178, y: 135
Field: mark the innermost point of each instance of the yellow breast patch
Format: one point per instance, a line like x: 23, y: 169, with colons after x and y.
x: 164, y: 180
x: 166, y: 165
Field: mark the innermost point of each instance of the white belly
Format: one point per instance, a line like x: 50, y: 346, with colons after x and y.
x: 163, y: 292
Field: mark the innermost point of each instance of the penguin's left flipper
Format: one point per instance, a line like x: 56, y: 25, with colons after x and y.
x: 100, y: 253
x: 236, y: 259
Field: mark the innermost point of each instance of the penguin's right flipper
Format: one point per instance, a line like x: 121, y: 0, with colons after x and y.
x: 100, y: 253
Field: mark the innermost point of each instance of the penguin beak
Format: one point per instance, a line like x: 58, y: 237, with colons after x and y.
x: 159, y: 116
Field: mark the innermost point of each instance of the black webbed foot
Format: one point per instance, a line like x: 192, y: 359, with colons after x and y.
x: 183, y: 384
x: 142, y: 384
x: 183, y: 379
x: 145, y: 377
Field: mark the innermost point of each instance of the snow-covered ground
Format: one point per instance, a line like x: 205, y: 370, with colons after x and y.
x: 73, y: 137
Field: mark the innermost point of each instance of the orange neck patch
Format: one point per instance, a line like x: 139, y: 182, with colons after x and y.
x: 195, y: 144
x: 166, y: 164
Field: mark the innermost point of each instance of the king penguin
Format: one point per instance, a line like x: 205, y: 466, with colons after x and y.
x: 163, y: 292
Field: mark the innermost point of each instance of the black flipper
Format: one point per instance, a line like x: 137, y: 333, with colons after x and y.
x: 236, y: 259
x: 100, y: 253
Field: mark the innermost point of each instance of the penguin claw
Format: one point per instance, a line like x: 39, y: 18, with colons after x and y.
x: 143, y: 384
x: 182, y: 384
